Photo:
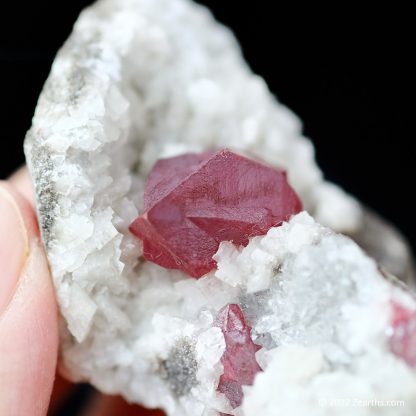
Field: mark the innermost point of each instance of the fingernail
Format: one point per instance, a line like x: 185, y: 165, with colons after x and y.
x: 14, y: 246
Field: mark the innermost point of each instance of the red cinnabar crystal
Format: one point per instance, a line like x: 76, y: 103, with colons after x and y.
x: 239, y: 361
x: 403, y: 338
x: 194, y: 201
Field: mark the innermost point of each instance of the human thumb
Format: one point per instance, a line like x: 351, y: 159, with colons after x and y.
x: 28, y: 312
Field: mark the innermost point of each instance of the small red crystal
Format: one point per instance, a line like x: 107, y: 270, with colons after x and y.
x: 194, y: 201
x: 403, y: 339
x: 239, y: 360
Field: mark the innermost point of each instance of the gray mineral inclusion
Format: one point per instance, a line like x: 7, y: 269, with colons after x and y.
x: 179, y: 369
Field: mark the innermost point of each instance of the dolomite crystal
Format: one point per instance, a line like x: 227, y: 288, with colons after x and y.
x: 139, y: 80
x: 195, y: 201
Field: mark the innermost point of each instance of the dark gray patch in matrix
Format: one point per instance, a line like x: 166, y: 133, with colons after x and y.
x: 47, y: 199
x: 179, y: 370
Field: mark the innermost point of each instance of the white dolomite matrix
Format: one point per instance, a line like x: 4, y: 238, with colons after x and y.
x: 324, y: 317
x: 143, y: 79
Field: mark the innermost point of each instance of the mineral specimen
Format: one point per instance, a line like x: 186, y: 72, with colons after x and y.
x: 195, y: 201
x: 141, y: 80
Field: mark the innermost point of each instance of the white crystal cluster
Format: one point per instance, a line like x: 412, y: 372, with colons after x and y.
x: 139, y: 80
x: 322, y: 311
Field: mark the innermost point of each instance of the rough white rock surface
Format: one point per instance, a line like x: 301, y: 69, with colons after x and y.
x: 142, y: 79
x: 323, y: 318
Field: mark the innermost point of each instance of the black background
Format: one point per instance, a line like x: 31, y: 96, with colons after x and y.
x: 346, y: 72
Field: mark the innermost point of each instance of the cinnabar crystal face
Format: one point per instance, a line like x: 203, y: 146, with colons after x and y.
x: 239, y: 359
x: 403, y: 338
x: 194, y: 201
